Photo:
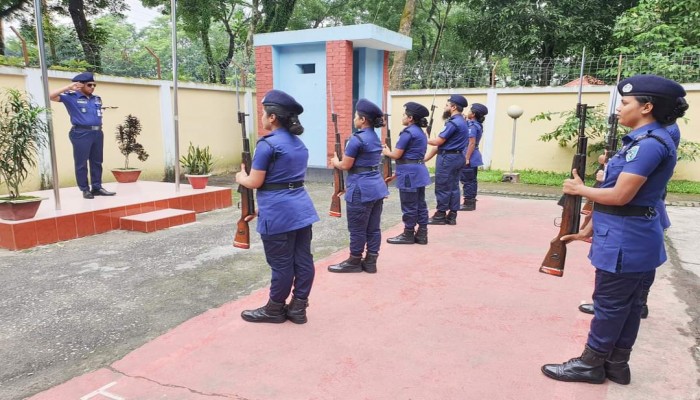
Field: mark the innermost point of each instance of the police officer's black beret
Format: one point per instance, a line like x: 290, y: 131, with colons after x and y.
x: 458, y: 100
x: 368, y: 108
x: 650, y: 85
x: 480, y: 109
x: 417, y: 110
x: 84, y: 77
x: 282, y: 99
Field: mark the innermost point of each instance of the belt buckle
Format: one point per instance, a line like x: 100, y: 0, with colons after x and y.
x: 290, y: 185
x: 651, y: 213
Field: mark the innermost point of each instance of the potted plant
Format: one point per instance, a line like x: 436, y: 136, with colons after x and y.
x: 22, y: 133
x: 126, y: 138
x: 198, y: 165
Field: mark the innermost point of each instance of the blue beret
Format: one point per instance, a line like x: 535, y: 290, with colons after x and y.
x: 650, y: 85
x: 84, y: 77
x: 368, y: 108
x: 458, y: 100
x: 479, y: 109
x: 417, y: 110
x: 282, y: 99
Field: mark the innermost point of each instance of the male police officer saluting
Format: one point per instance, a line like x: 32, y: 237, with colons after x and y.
x: 85, y: 110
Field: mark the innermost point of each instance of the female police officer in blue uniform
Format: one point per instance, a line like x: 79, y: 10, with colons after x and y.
x: 285, y: 210
x: 86, y: 136
x: 365, y: 189
x: 475, y: 119
x: 628, y: 241
x: 411, y: 174
x: 451, y: 144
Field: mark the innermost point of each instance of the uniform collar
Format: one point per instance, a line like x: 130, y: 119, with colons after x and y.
x: 642, y: 130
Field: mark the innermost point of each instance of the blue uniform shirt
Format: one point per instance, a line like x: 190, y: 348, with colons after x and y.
x: 475, y: 131
x: 284, y: 156
x: 455, y: 133
x: 83, y: 110
x: 364, y: 146
x: 635, y: 244
x: 414, y: 143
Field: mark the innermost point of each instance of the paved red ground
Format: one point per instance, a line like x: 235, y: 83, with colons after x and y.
x: 466, y: 317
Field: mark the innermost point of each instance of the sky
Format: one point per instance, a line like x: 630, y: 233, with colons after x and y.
x: 139, y: 15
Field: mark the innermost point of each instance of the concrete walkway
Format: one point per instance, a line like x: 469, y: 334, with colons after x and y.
x: 466, y: 317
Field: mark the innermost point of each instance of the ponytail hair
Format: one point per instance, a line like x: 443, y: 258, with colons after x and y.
x: 376, y: 122
x: 422, y: 122
x: 287, y: 119
x: 666, y: 111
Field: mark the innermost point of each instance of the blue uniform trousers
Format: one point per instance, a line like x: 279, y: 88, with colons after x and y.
x: 414, y: 207
x: 468, y: 179
x: 447, y: 170
x: 87, y: 147
x: 291, y: 261
x: 364, y: 224
x: 617, y: 300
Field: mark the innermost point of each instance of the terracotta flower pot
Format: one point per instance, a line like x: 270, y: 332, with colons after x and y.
x: 198, y: 181
x: 126, y: 175
x: 15, y: 210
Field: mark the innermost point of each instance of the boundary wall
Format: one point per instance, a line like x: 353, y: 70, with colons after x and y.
x: 207, y: 117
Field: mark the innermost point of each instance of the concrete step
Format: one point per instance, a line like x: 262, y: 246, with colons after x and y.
x: 156, y: 220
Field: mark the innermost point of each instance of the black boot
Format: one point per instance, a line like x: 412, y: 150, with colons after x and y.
x: 468, y: 205
x: 451, y: 218
x: 352, y: 264
x: 645, y: 309
x: 296, y: 311
x: 586, y: 308
x: 617, y: 368
x: 438, y: 218
x: 369, y: 264
x: 422, y: 235
x: 272, y: 312
x: 407, y: 237
x: 587, y: 368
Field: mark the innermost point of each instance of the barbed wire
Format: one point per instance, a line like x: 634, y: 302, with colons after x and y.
x: 682, y: 67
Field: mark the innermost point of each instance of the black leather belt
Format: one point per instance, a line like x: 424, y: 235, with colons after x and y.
x: 626, y: 211
x: 450, y: 151
x: 282, y: 186
x: 88, y: 127
x: 402, y: 161
x: 357, y: 170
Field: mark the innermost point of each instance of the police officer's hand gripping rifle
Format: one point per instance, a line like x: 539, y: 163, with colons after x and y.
x: 338, y: 178
x: 553, y: 263
x: 247, y: 204
x: 611, y: 137
x: 387, y: 170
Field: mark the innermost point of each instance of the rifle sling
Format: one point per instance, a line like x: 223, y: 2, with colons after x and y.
x: 282, y: 186
x: 626, y: 210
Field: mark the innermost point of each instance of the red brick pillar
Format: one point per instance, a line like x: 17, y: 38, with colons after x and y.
x: 385, y: 95
x: 263, y: 79
x: 339, y: 76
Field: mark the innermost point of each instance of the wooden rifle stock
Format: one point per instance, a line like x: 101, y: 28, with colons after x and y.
x: 338, y: 178
x: 241, y: 239
x: 387, y: 170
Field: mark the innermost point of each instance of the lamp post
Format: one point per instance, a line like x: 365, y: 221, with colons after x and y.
x: 514, y: 112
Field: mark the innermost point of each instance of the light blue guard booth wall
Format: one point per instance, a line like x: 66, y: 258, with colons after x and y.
x: 299, y: 68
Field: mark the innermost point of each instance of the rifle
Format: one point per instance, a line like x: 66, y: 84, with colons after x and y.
x: 610, y: 139
x: 429, y: 128
x: 387, y: 169
x: 247, y: 204
x: 338, y: 179
x: 553, y: 263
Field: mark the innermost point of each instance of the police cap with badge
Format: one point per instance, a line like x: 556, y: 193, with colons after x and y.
x: 417, y: 110
x: 368, y: 109
x: 281, y: 99
x: 84, y: 77
x: 650, y: 85
x: 480, y: 109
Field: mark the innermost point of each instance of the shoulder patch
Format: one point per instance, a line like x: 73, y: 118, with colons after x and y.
x: 632, y: 153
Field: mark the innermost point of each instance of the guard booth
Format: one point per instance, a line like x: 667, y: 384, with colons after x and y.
x: 316, y: 65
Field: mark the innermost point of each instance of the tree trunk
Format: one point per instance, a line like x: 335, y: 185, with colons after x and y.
x: 211, y: 66
x: 85, y: 34
x: 409, y: 11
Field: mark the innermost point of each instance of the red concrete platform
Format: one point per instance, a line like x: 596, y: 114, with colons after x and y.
x: 466, y: 317
x: 80, y: 217
x: 156, y: 220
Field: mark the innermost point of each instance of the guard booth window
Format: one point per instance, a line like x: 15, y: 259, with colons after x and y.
x: 307, y: 68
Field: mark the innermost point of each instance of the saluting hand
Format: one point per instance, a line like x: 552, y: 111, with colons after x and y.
x: 574, y: 185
